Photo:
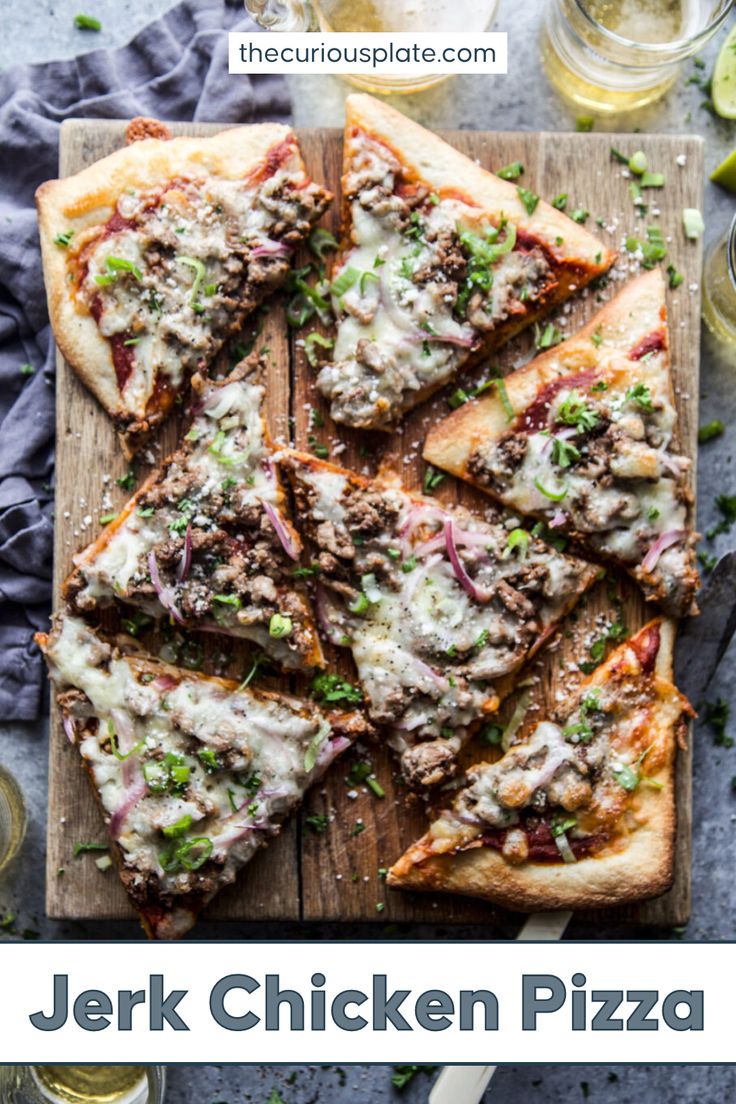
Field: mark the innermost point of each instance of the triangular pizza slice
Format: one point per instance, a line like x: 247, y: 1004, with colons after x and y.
x: 440, y: 261
x: 585, y: 437
x: 192, y: 773
x: 581, y: 812
x: 438, y: 606
x: 155, y: 255
x: 207, y: 540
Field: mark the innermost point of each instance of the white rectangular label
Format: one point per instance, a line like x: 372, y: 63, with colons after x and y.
x: 399, y: 54
x: 367, y: 1002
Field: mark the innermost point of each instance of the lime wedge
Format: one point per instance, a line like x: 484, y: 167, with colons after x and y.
x: 723, y: 89
x: 725, y: 174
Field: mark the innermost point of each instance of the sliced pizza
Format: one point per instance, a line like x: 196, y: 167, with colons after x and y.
x: 437, y: 606
x: 440, y: 261
x: 585, y: 437
x: 155, y: 255
x: 207, y: 540
x: 581, y: 812
x: 192, y: 773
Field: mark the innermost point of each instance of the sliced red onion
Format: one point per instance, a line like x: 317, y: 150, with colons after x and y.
x: 675, y: 465
x: 331, y: 748
x: 164, y: 682
x: 463, y: 341
x: 661, y: 544
x: 420, y: 515
x: 163, y: 593
x: 134, y: 792
x: 328, y: 616
x: 429, y: 672
x: 560, y: 518
x: 465, y: 537
x: 287, y: 541
x: 415, y: 577
x: 267, y: 247
x: 477, y: 593
x: 219, y: 401
x: 69, y: 729
x: 185, y: 563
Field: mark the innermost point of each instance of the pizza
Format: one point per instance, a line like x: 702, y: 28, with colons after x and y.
x: 192, y: 773
x: 580, y: 813
x: 207, y: 540
x: 154, y: 256
x: 440, y: 261
x: 585, y: 437
x: 438, y: 607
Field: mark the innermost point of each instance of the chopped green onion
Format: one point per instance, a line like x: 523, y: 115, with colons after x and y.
x: 432, y: 479
x: 529, y: 199
x: 710, y: 430
x: 227, y: 600
x: 512, y: 171
x: 620, y: 157
x: 107, y: 518
x: 279, y: 626
x: 638, y: 163
x: 676, y: 278
x: 347, y: 279
x: 366, y: 278
x: 374, y: 785
x: 549, y: 337
x: 208, y: 759
x: 359, y: 605
x: 584, y: 124
x: 87, y: 23
x: 312, y: 752
x: 652, y: 180
x: 505, y: 402
x: 321, y: 241
x: 555, y: 496
x: 580, y: 215
x: 81, y: 848
x: 626, y: 777
x: 409, y: 564
x: 182, y: 825
x: 692, y: 222
x: 518, y: 538
x: 198, y: 268
x: 103, y: 863
x: 560, y: 201
x: 64, y: 240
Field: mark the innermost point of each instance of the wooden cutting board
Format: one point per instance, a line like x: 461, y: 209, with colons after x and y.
x: 336, y: 875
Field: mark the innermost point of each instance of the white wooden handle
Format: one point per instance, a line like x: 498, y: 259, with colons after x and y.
x: 467, y: 1084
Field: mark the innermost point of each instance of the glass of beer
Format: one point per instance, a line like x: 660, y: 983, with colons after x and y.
x: 616, y: 55
x: 82, y: 1084
x: 719, y: 287
x: 370, y: 16
x: 12, y: 817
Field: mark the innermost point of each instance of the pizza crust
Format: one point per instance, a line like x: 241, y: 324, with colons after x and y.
x: 88, y: 199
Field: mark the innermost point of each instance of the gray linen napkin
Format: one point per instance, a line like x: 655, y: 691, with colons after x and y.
x: 174, y: 69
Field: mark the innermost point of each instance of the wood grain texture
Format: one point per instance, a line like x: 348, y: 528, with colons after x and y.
x: 336, y: 876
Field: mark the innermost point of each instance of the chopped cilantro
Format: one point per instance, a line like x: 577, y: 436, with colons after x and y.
x: 331, y: 688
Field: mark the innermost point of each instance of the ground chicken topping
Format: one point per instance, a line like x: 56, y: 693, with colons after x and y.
x: 207, y: 542
x: 435, y: 605
x: 426, y: 280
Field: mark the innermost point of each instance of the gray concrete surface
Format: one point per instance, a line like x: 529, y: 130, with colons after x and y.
x: 522, y: 100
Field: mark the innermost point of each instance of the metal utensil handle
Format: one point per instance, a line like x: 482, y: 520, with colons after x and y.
x: 467, y: 1084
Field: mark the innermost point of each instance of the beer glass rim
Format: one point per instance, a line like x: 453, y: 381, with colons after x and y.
x: 685, y: 45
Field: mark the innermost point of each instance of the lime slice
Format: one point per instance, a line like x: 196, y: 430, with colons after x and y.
x: 725, y: 174
x: 723, y: 89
